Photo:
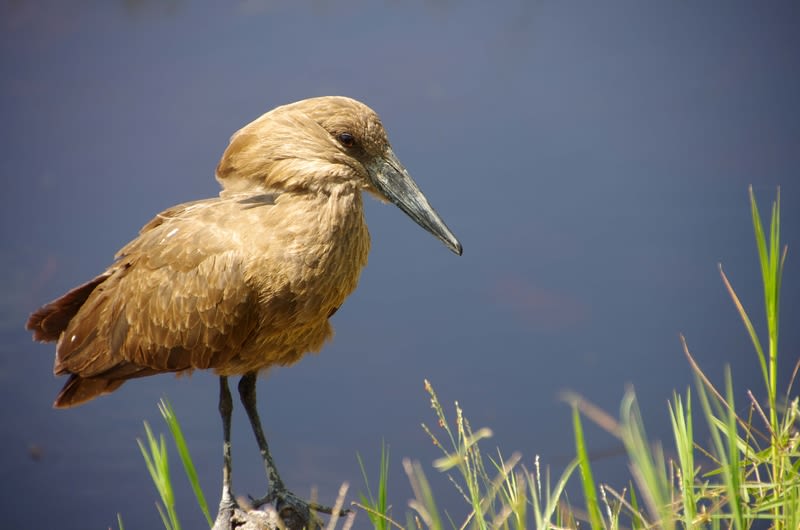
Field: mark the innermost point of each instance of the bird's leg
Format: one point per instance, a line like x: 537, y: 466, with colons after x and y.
x: 247, y: 393
x: 227, y: 502
x: 278, y: 491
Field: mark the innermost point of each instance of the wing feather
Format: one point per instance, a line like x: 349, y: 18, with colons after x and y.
x: 176, y: 299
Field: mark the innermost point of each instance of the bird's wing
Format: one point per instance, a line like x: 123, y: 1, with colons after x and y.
x: 176, y: 299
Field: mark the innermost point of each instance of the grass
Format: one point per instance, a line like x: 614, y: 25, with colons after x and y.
x: 747, y: 473
x: 155, y: 455
x: 377, y: 509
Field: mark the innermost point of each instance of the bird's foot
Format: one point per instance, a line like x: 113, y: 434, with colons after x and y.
x: 294, y: 511
x: 227, y: 507
x: 232, y: 516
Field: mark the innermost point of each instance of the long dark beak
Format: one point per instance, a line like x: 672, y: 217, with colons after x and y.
x: 393, y: 182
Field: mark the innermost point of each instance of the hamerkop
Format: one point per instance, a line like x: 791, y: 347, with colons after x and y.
x: 244, y: 281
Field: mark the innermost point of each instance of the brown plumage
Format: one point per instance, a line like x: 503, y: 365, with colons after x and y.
x: 246, y: 280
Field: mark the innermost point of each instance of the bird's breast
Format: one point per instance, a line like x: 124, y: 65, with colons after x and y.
x: 306, y: 263
x: 324, y: 248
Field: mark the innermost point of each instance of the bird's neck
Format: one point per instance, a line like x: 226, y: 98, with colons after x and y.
x: 313, y: 232
x: 337, y: 225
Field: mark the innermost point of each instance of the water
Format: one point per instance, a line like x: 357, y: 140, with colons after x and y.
x: 593, y: 160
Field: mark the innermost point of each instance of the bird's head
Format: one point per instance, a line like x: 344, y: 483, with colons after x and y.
x: 322, y: 144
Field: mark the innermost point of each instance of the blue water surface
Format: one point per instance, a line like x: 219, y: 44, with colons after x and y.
x: 593, y: 159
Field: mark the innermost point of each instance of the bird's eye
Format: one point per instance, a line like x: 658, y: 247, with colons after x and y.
x: 347, y: 139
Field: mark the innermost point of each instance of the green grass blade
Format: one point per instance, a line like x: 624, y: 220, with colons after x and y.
x: 423, y: 503
x: 681, y: 418
x: 379, y: 508
x: 383, y: 482
x: 733, y: 475
x: 587, y: 480
x: 748, y: 324
x: 647, y: 463
x: 168, y: 413
x: 544, y: 514
x: 636, y: 519
x: 771, y: 260
x: 165, y: 520
x: 720, y: 452
x: 761, y: 243
x: 155, y: 457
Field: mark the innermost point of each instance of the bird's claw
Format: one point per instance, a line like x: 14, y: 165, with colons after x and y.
x: 284, y: 499
x: 227, y: 507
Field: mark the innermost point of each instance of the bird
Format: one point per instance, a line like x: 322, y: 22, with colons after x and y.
x: 246, y: 281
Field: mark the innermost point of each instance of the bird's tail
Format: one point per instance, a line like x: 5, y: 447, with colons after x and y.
x: 78, y: 390
x: 49, y: 321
